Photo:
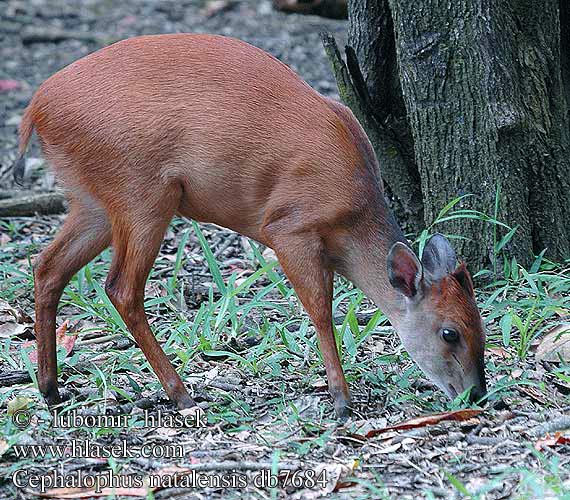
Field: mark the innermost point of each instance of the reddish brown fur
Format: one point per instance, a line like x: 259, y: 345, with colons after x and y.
x: 454, y: 302
x: 217, y: 130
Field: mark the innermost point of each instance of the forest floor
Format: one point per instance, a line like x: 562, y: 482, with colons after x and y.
x: 235, y: 331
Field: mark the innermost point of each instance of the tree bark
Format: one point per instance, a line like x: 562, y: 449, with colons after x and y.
x: 473, y: 97
x: 548, y: 138
x: 371, y: 36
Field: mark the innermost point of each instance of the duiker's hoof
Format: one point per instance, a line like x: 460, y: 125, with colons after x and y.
x: 342, y: 408
x: 185, y: 401
x: 51, y: 396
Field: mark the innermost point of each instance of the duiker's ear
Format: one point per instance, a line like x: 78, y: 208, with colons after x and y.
x: 462, y: 275
x: 404, y: 270
x: 438, y: 258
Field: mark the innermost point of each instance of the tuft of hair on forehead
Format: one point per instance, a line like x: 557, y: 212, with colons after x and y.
x: 462, y: 275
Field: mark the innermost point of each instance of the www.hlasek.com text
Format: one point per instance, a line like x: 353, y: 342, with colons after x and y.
x: 78, y: 448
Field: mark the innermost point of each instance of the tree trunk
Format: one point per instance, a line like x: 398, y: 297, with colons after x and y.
x: 371, y: 35
x: 472, y: 96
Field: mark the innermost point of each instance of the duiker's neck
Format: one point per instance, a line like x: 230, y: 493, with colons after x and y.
x: 364, y: 260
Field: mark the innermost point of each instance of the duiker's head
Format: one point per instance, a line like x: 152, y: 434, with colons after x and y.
x: 440, y: 326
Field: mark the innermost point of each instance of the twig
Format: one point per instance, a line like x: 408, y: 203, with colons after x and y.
x: 45, y: 204
x: 229, y: 239
x: 487, y: 441
x: 42, y: 35
x: 557, y: 424
x: 219, y: 384
x: 229, y: 465
x: 14, y: 378
x: 10, y: 193
x: 99, y: 340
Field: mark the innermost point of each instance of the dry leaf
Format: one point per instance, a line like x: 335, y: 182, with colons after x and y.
x: 549, y: 440
x: 63, y: 340
x: 166, y: 433
x: 457, y: 416
x: 555, y: 345
x: 10, y: 330
x: 269, y: 255
x: 344, y: 471
x: 191, y: 412
x: 319, y: 385
x: 497, y: 351
x: 18, y: 403
x: 390, y: 448
x: 12, y: 313
x: 3, y: 447
x: 7, y: 85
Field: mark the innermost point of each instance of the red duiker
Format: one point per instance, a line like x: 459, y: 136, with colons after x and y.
x: 212, y: 128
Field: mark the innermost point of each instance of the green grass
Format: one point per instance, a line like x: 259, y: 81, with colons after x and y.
x: 254, y: 324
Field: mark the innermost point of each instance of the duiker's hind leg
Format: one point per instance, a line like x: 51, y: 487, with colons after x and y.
x: 138, y: 232
x: 85, y: 233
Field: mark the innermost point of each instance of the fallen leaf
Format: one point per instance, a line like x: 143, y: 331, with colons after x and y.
x: 497, y: 351
x: 18, y: 403
x: 63, y: 340
x: 194, y: 411
x: 269, y: 255
x: 414, y: 423
x: 242, y: 436
x: 3, y: 447
x: 211, y: 375
x: 217, y: 6
x: 166, y: 433
x: 555, y: 345
x: 7, y: 85
x: 376, y: 347
x: 11, y: 330
x: 341, y: 473
x: 390, y: 449
x: 320, y: 385
x: 337, y: 476
x: 19, y: 315
x: 549, y: 440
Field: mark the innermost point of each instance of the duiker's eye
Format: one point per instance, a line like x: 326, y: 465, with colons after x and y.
x: 449, y: 335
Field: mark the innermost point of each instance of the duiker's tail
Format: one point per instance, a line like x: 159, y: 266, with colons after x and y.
x: 26, y: 129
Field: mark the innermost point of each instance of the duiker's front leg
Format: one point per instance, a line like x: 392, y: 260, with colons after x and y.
x: 301, y: 259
